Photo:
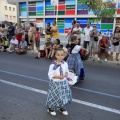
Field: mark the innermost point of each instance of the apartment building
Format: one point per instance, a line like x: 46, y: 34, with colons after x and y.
x: 8, y: 12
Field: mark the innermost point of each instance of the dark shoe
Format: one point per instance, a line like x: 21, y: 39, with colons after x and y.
x: 37, y: 57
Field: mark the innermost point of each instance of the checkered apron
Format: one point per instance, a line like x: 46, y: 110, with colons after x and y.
x: 75, y: 63
x: 59, y: 94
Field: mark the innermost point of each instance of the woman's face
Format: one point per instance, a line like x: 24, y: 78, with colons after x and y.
x: 117, y: 30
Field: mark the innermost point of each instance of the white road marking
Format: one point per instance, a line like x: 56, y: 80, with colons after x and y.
x: 74, y: 100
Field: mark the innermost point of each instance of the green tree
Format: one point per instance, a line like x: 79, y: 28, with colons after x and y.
x: 103, y: 10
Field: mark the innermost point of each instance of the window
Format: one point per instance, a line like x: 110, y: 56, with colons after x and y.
x: 14, y: 18
x: 10, y: 17
x: 9, y: 8
x: 5, y: 7
x: 6, y: 17
x: 13, y: 9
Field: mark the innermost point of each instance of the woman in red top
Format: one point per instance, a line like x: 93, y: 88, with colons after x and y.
x: 18, y: 33
x: 37, y: 39
x: 103, y: 47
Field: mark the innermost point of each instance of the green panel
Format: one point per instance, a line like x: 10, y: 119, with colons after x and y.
x: 94, y: 20
x: 23, y: 9
x: 32, y: 13
x: 69, y: 7
x: 32, y: 4
x: 60, y: 25
x: 106, y: 26
x: 61, y: 12
x: 39, y: 13
x: 49, y: 8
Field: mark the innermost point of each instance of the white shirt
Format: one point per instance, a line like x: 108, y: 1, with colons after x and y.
x: 76, y: 29
x: 76, y: 49
x: 52, y: 73
x: 87, y: 33
x: 14, y: 41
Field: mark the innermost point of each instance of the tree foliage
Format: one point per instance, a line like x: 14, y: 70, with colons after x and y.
x: 103, y: 10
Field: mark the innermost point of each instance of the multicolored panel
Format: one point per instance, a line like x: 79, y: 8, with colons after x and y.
x: 36, y: 8
x: 49, y: 9
x: 23, y: 10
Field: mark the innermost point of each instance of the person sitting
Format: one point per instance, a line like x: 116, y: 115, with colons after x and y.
x: 47, y: 47
x: 13, y: 45
x: 53, y: 48
x: 103, y: 47
x: 22, y: 47
x: 3, y: 44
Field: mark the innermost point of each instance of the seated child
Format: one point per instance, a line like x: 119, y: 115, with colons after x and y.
x: 53, y: 48
x: 3, y: 44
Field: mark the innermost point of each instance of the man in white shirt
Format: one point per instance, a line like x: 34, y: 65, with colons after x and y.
x: 87, y: 30
x: 77, y: 32
x: 13, y: 44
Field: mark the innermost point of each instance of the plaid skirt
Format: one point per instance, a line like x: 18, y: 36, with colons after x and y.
x: 59, y: 94
x: 75, y: 63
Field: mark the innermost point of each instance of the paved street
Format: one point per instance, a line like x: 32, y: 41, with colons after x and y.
x: 24, y: 84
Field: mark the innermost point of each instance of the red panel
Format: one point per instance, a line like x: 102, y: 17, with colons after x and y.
x: 118, y: 12
x: 60, y: 7
x: 66, y: 30
x: 70, y: 12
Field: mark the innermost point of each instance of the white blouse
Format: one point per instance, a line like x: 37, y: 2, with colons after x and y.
x: 52, y: 73
x: 76, y: 49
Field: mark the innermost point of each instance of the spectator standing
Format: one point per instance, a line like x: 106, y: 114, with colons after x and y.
x: 26, y: 36
x: 31, y: 36
x: 108, y: 37
x: 103, y: 47
x: 54, y: 31
x: 48, y: 32
x: 77, y: 32
x: 115, y: 40
x: 11, y: 31
x: 68, y: 35
x: 93, y: 47
x: 22, y: 47
x: 37, y: 39
x: 1, y: 31
x: 18, y: 33
x: 87, y: 30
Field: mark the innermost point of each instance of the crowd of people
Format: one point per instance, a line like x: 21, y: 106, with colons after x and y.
x: 19, y: 40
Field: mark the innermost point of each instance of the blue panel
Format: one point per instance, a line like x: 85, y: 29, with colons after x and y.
x: 39, y: 3
x: 82, y: 20
x: 118, y: 5
x: 23, y: 13
x: 104, y: 31
x: 23, y: 4
x: 90, y: 12
x: 82, y: 6
x: 61, y: 30
x: 70, y: 2
x: 47, y: 3
x: 39, y: 8
x: 68, y: 25
x: 49, y: 20
x: 68, y: 20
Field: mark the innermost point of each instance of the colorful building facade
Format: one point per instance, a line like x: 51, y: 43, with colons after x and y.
x: 41, y: 12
